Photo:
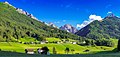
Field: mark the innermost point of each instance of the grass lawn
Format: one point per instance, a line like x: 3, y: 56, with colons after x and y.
x: 17, y: 47
x: 52, y: 39
x: 13, y: 49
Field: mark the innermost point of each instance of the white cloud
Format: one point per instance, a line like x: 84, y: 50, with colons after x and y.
x: 91, y: 19
x: 64, y: 20
x: 109, y: 12
x: 94, y: 17
x: 57, y: 22
x: 118, y: 16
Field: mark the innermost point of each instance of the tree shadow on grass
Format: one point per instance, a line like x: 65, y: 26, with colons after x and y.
x: 108, y: 52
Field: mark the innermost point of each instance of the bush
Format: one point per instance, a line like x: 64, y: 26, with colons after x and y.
x: 87, y: 50
x: 67, y: 50
x: 76, y: 53
x: 45, y: 50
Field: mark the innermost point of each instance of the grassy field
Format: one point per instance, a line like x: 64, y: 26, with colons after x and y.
x: 52, y: 39
x: 13, y: 49
x: 17, y: 47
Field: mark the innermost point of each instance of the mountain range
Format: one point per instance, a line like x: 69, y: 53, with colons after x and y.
x: 107, y: 28
x: 16, y: 23
x: 69, y: 28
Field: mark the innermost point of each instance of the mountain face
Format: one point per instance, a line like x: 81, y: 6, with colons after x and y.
x: 15, y: 25
x: 108, y: 28
x: 21, y: 11
x: 69, y: 28
x: 52, y: 25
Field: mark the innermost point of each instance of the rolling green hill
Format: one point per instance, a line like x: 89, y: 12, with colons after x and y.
x: 14, y: 25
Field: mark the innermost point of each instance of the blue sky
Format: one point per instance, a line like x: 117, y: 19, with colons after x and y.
x: 72, y: 12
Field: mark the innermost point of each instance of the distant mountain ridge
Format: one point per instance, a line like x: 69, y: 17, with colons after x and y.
x: 69, y: 28
x: 52, y: 25
x: 22, y: 11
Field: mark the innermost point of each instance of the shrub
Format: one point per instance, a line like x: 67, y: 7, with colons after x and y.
x: 87, y: 50
x: 45, y: 50
x: 67, y: 50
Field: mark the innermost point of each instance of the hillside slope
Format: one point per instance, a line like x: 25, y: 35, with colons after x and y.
x: 14, y: 25
x: 108, y: 28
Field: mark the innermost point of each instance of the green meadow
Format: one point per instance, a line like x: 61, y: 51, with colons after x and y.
x: 17, y: 47
x: 13, y: 49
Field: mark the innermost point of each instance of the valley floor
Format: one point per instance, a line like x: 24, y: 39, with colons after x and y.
x: 13, y: 49
x: 60, y: 48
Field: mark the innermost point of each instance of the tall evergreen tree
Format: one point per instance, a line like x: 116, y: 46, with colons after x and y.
x: 118, y: 47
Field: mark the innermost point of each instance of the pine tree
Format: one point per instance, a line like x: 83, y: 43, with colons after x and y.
x: 54, y: 50
x: 118, y: 47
